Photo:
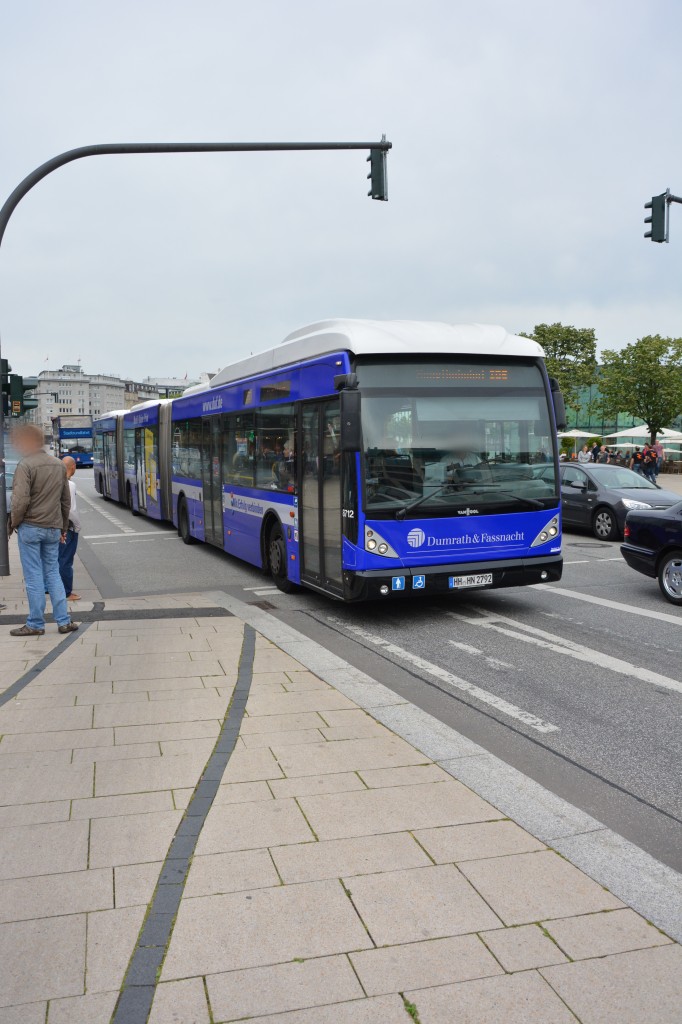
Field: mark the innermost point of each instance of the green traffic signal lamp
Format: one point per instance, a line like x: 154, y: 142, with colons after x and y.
x: 658, y: 207
x: 377, y: 174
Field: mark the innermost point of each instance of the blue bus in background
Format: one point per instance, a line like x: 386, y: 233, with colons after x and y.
x: 362, y: 459
x: 72, y: 436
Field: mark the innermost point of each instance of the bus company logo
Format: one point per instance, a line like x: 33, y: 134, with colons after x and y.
x: 416, y: 538
x: 213, y: 404
x: 468, y: 511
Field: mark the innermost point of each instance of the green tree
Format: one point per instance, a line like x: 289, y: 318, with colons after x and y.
x: 570, y: 356
x: 644, y: 379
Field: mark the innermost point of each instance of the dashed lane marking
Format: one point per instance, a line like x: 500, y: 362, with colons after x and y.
x: 450, y: 680
x: 109, y: 516
x: 550, y: 641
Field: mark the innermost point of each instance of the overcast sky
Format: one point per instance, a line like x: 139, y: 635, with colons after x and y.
x: 527, y: 136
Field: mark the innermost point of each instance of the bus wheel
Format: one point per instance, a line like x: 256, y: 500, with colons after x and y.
x: 183, y: 523
x: 129, y: 501
x: 277, y: 560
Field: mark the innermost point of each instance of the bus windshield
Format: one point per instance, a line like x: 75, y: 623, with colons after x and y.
x: 456, y: 438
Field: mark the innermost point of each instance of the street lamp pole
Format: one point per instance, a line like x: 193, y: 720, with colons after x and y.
x: 127, y: 148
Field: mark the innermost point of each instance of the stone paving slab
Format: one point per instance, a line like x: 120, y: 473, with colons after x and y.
x: 338, y: 869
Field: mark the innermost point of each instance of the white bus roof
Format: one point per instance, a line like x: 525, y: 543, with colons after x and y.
x: 381, y: 338
x: 149, y: 404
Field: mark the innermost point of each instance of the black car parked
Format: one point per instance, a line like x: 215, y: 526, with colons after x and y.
x: 599, y: 497
x: 653, y: 546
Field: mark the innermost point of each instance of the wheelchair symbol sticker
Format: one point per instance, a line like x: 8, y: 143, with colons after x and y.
x: 398, y: 583
x: 418, y: 582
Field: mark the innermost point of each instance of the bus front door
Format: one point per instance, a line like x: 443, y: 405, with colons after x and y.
x: 140, y: 472
x: 212, y: 480
x: 320, y: 490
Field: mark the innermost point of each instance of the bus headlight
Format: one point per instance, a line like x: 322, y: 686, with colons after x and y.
x: 375, y: 543
x: 548, y: 532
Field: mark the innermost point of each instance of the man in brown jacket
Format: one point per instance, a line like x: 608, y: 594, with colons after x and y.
x: 41, y: 502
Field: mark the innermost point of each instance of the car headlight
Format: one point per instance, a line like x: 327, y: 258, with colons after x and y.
x: 631, y: 503
x: 548, y: 533
x: 375, y: 543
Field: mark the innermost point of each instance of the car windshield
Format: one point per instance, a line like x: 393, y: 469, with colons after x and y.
x: 455, y: 438
x: 612, y: 476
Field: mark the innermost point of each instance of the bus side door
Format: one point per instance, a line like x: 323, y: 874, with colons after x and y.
x: 320, y: 491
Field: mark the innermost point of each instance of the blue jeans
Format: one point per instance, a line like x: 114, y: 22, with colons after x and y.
x: 39, y: 553
x: 67, y: 552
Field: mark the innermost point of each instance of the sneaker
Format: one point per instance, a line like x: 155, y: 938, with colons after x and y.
x: 70, y: 627
x: 26, y: 631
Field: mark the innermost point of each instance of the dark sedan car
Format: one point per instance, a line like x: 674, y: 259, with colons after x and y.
x: 653, y: 546
x: 600, y: 497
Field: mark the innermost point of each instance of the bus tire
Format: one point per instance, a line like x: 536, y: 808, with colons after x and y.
x: 183, y: 523
x: 129, y: 501
x: 277, y: 560
x: 99, y: 484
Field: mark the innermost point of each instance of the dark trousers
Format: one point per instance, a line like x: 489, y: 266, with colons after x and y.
x: 67, y: 552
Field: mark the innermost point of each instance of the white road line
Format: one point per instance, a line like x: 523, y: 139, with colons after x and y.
x: 539, y: 638
x: 475, y: 652
x: 263, y: 593
x: 102, y: 536
x: 101, y: 543
x: 484, y: 696
x: 114, y: 520
x: 579, y: 561
x: 616, y: 605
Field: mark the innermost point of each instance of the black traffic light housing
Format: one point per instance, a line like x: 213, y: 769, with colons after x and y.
x: 18, y: 387
x: 377, y: 174
x: 659, y: 209
x: 5, y: 370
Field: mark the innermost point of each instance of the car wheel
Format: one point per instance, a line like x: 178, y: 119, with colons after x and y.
x: 670, y: 577
x: 277, y: 560
x: 605, y: 525
x: 183, y: 524
x: 129, y: 502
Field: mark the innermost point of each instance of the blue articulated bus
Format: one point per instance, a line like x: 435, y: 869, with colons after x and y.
x: 73, y: 436
x: 362, y: 459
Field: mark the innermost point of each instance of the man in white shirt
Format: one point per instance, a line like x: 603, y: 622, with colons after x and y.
x: 585, y: 455
x: 67, y: 548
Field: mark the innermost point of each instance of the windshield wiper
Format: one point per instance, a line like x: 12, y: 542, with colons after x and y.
x: 416, y: 502
x: 531, y: 502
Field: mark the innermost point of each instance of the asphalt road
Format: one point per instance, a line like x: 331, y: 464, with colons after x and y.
x: 577, y: 684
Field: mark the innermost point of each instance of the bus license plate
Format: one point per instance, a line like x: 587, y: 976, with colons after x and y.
x: 481, y: 579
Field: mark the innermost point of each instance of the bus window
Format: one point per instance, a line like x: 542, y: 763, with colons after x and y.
x: 239, y: 451
x: 275, y: 448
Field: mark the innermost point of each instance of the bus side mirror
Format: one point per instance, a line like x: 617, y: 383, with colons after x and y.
x: 351, y: 428
x: 559, y: 406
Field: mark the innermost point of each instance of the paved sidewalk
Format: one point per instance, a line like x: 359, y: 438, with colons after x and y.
x: 336, y: 873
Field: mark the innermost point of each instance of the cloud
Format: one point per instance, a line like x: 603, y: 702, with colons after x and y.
x: 527, y: 137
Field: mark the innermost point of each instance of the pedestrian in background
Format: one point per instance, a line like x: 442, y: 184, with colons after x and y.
x: 649, y: 463
x: 603, y: 456
x: 67, y: 549
x: 594, y: 453
x: 636, y: 461
x: 660, y: 456
x: 41, y: 504
x: 584, y: 455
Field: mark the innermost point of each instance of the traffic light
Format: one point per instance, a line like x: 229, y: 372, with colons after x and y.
x: 5, y: 369
x: 18, y: 386
x: 658, y: 204
x: 377, y: 174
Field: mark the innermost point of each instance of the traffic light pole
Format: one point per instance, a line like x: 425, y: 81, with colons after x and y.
x: 122, y: 149
x: 659, y: 218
